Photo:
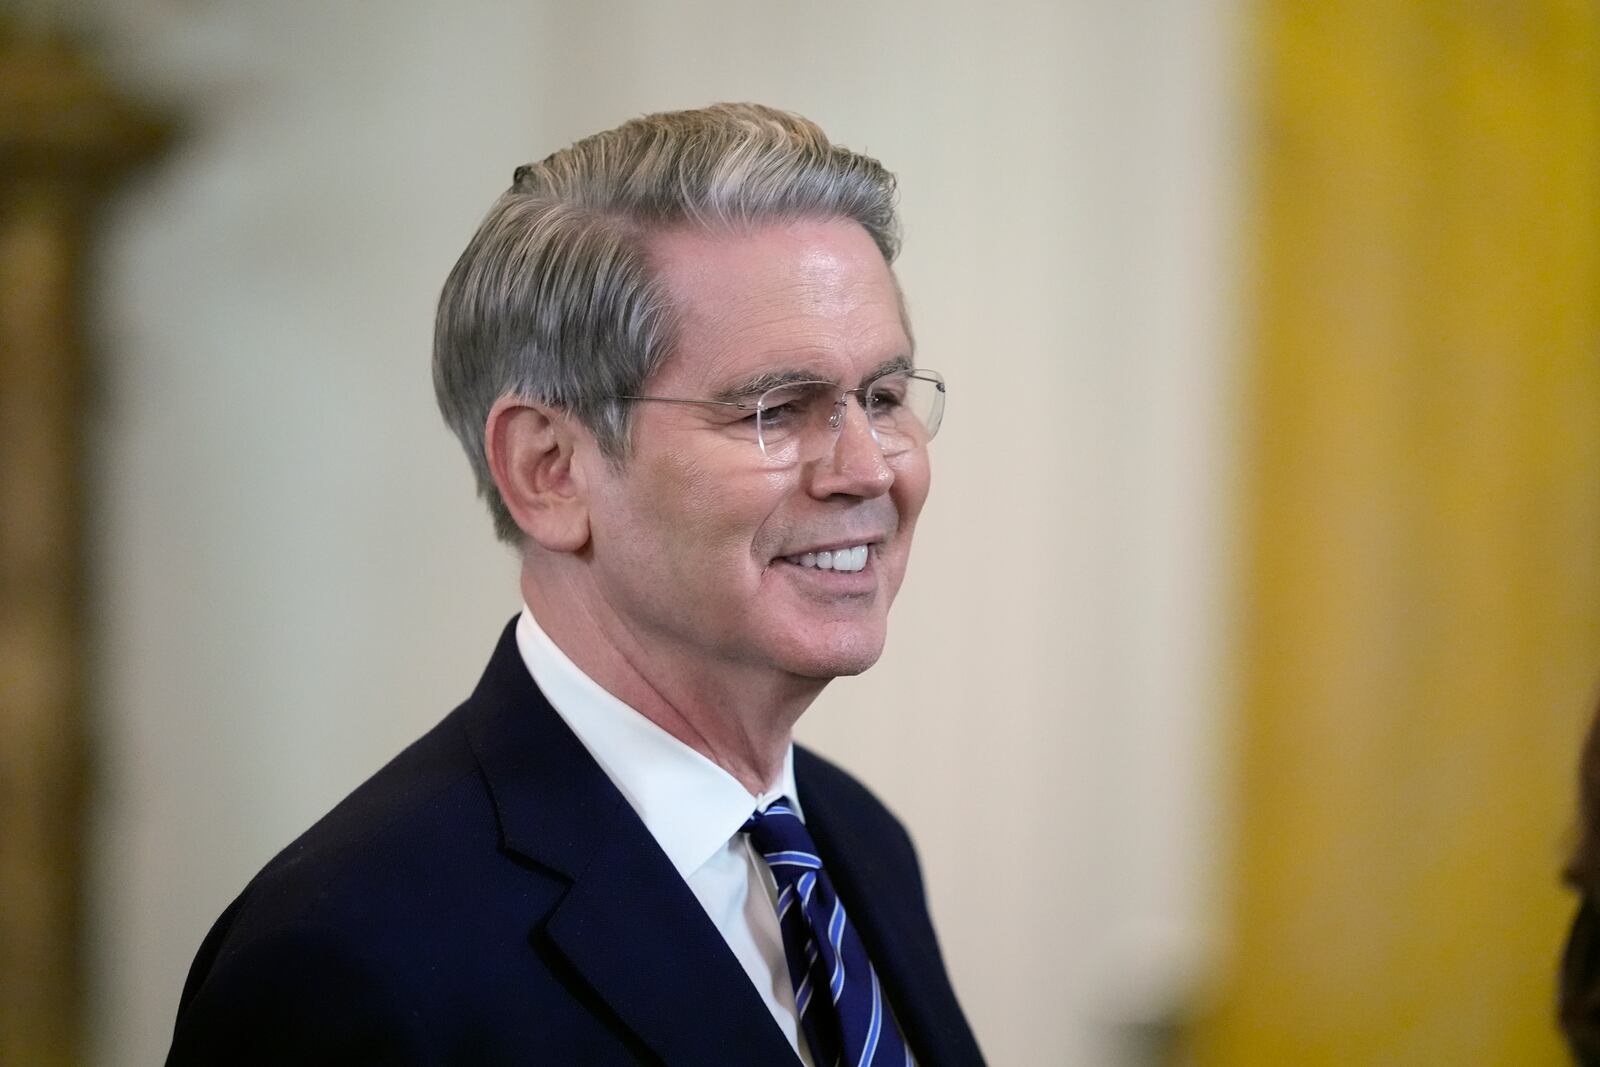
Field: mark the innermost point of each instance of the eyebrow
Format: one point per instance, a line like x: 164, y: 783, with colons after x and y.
x: 889, y: 366
x: 755, y: 385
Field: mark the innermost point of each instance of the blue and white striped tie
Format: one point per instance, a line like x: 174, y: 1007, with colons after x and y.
x: 836, y: 993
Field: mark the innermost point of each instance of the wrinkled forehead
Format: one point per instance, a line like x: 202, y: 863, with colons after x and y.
x: 810, y: 297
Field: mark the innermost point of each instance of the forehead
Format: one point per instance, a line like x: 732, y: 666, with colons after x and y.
x: 812, y: 295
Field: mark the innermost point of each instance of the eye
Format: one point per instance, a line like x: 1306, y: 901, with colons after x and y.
x: 885, y: 401
x: 781, y: 414
x: 789, y: 405
x: 888, y: 394
x: 743, y: 421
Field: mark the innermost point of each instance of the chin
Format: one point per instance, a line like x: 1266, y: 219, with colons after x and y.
x: 841, y: 656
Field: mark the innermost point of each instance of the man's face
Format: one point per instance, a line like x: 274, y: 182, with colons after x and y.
x: 697, y: 542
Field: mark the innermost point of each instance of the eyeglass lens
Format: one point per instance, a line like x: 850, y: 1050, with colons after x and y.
x: 800, y: 422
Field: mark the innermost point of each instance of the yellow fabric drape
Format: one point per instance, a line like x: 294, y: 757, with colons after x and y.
x: 1421, y: 640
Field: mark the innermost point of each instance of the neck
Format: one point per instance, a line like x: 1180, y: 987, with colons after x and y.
x: 739, y: 717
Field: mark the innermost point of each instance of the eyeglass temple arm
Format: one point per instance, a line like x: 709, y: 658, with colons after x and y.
x: 743, y: 405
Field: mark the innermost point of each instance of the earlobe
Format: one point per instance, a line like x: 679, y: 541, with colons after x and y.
x: 529, y: 447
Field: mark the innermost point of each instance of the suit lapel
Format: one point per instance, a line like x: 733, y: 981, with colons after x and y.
x: 628, y: 923
x: 637, y: 934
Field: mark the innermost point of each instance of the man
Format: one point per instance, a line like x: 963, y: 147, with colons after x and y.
x: 681, y: 368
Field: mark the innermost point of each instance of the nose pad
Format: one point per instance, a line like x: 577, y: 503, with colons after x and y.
x: 839, y: 427
x: 836, y: 416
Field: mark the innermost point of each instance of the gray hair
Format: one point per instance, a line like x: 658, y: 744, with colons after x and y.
x: 555, y: 298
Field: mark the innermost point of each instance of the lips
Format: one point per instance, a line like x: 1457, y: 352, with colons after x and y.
x: 851, y: 558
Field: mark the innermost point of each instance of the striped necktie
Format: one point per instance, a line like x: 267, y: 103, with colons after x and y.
x: 836, y: 993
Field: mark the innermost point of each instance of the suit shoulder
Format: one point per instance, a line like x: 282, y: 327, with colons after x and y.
x: 413, y: 813
x: 815, y: 771
x: 845, y: 798
x: 296, y: 994
x: 322, y: 927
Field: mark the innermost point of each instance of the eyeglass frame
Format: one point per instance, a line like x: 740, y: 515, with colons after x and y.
x: 835, y: 419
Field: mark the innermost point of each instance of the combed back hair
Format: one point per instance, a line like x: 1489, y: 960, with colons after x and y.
x: 555, y: 299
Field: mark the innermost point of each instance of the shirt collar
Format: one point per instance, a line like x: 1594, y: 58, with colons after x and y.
x: 691, y: 806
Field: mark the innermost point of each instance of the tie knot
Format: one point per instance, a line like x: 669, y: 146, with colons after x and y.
x: 781, y: 838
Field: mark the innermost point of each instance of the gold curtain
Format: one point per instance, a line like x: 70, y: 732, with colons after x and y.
x: 1421, y: 624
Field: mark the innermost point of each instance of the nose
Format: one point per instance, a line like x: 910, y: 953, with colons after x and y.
x: 856, y: 465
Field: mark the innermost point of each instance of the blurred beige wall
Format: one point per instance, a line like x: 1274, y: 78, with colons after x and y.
x: 293, y: 578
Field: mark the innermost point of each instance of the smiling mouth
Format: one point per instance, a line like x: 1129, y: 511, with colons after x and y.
x: 839, y: 559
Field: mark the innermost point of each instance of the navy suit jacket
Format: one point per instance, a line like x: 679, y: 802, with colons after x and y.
x: 489, y: 897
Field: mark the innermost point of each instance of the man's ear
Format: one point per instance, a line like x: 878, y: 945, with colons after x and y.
x: 529, y: 446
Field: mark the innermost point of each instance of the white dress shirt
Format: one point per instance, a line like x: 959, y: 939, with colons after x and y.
x: 692, y: 807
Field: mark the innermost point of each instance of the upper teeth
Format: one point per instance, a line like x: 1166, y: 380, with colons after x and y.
x: 840, y: 559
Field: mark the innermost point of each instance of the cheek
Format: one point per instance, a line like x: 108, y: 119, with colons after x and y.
x: 712, y: 512
x: 910, y: 492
